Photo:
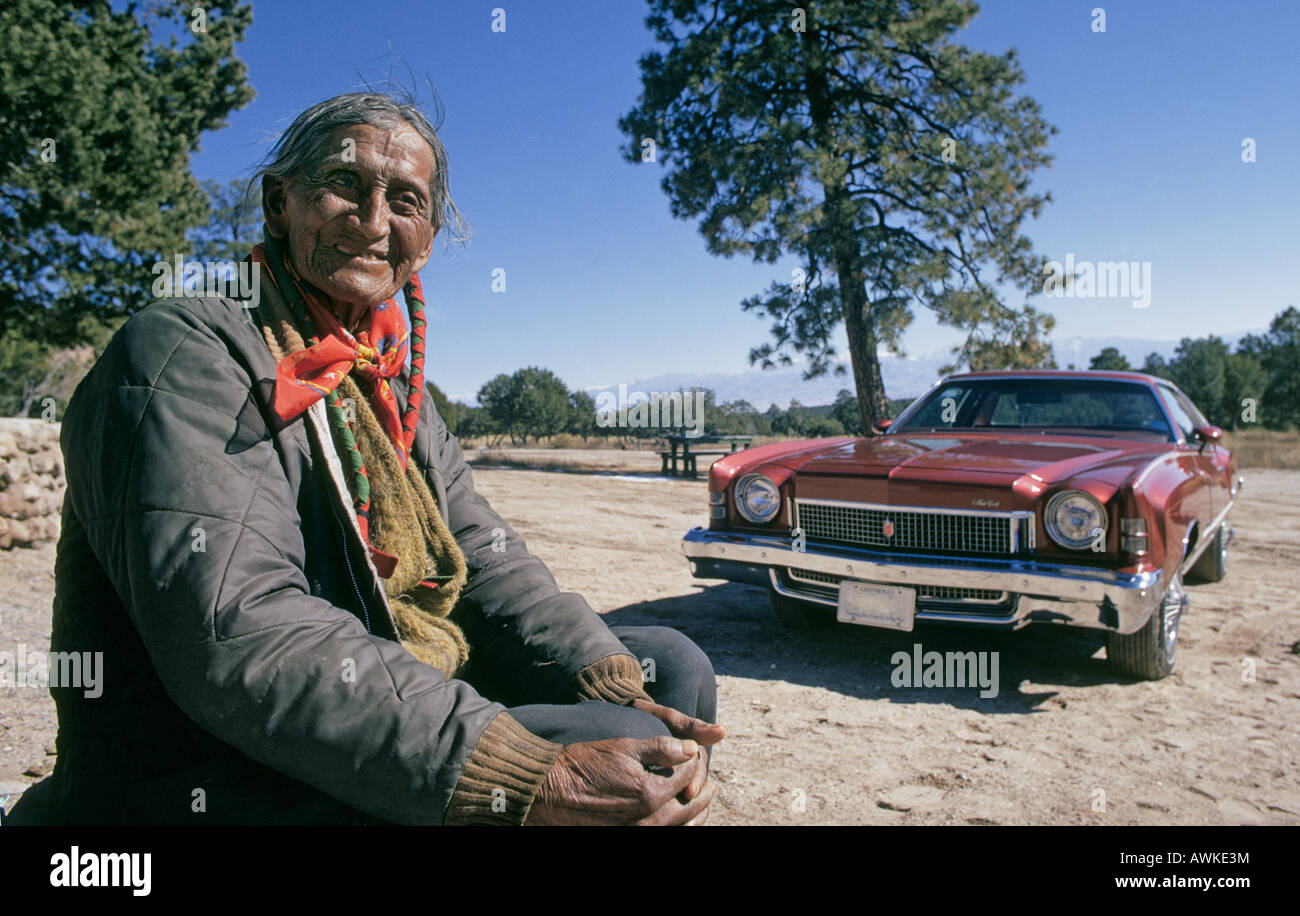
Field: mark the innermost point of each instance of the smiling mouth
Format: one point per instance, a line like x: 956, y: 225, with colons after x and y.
x: 362, y: 257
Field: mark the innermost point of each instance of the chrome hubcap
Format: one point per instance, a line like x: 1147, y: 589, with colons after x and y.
x: 1171, y: 609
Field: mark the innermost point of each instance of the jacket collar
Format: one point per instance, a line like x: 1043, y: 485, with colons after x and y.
x: 280, y: 334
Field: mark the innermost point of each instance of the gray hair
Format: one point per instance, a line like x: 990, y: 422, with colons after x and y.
x: 306, y: 142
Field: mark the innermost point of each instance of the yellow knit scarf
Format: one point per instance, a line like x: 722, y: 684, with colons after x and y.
x: 404, y: 517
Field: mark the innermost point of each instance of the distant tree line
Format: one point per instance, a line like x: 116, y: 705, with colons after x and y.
x: 1257, y: 383
x: 841, y: 418
x: 534, y: 403
x: 531, y: 402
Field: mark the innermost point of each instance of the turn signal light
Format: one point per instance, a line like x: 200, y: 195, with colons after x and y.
x: 1133, y: 536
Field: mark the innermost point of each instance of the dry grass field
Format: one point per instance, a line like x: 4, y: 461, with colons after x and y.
x: 1265, y: 448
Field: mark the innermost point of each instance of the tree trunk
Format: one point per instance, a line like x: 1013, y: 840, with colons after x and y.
x: 838, y: 220
x: 872, y: 404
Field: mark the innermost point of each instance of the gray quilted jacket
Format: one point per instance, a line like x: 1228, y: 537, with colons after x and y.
x: 251, y: 668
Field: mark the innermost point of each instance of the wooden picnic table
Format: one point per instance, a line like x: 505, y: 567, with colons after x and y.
x: 690, y: 450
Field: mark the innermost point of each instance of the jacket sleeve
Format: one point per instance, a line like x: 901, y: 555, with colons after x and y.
x: 195, y: 523
x: 539, y: 643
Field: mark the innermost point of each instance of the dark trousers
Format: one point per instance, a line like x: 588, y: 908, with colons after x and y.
x: 678, y: 675
x: 682, y: 679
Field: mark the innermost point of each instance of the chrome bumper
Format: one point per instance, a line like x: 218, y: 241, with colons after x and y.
x: 1038, y: 592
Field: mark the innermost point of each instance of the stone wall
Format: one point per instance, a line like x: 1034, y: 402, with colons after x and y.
x: 31, y: 482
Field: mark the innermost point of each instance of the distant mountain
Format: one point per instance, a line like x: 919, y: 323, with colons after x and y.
x: 760, y: 387
x: 904, y: 377
x: 1078, y: 351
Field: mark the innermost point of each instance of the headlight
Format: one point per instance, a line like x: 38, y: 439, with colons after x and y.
x: 757, y: 498
x: 1072, y: 519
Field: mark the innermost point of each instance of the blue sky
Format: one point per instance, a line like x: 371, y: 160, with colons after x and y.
x: 603, y: 286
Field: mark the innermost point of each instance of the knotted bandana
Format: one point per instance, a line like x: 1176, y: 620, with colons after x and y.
x: 377, y: 352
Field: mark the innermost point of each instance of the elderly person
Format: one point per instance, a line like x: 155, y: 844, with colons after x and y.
x: 306, y: 612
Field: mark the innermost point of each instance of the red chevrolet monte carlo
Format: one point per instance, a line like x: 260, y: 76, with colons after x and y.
x: 998, y: 499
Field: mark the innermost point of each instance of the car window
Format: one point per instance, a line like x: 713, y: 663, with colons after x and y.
x: 1134, y: 409
x: 1186, y: 422
x: 1191, y: 409
x: 947, y: 405
x: 1109, y: 406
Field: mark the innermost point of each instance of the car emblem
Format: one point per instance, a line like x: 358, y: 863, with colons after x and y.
x: 888, y: 528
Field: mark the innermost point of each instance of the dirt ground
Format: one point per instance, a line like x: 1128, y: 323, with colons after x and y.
x: 818, y: 734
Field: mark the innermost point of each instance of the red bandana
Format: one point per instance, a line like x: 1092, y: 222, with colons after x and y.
x: 377, y: 352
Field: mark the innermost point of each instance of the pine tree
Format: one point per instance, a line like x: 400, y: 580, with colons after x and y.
x: 100, y: 115
x: 1110, y: 358
x: 854, y: 135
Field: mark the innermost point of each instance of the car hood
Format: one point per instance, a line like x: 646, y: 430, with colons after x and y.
x: 990, y: 457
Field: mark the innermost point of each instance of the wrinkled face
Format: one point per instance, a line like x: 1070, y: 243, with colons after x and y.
x: 359, y: 226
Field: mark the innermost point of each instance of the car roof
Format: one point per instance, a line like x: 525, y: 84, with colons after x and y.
x: 1104, y: 374
x: 1061, y: 373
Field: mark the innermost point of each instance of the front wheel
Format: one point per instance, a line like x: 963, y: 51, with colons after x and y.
x: 1212, y: 565
x: 800, y: 615
x: 1149, y: 653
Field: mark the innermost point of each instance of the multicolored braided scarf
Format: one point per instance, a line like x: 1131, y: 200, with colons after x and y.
x: 377, y: 352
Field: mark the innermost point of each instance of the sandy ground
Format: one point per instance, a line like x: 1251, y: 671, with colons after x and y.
x: 817, y: 732
x: 27, y: 720
x: 646, y: 460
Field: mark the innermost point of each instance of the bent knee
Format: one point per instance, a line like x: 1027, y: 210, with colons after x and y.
x: 591, y: 720
x: 663, y: 649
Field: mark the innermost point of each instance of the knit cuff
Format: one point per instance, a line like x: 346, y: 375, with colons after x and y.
x: 502, y: 775
x: 614, y: 679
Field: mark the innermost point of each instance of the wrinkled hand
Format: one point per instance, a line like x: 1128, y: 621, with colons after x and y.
x: 607, y: 782
x: 683, y: 726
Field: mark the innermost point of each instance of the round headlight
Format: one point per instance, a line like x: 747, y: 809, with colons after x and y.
x: 757, y: 498
x: 1072, y: 519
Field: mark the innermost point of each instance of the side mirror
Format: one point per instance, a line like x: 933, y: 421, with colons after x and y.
x: 1207, y: 435
x: 882, y: 424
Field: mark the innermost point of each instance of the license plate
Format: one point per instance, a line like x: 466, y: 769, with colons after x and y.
x: 869, y: 605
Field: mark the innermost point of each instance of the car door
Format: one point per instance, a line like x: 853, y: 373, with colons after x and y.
x: 1205, y: 496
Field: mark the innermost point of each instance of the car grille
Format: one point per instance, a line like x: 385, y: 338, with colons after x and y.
x: 812, y: 575
x: 913, y: 529
x: 930, y: 593
x: 971, y: 595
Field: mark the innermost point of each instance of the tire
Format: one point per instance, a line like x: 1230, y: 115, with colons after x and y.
x: 800, y: 615
x: 1149, y: 653
x: 1213, y: 564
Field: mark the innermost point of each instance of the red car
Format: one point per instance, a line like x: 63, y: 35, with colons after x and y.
x: 998, y: 499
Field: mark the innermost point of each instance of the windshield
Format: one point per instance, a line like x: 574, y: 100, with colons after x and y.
x: 1079, y: 406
